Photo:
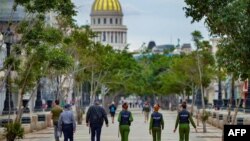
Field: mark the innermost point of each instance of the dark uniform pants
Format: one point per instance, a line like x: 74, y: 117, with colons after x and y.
x: 68, y: 132
x: 156, y: 133
x: 124, y: 131
x: 184, y: 131
x: 96, y: 132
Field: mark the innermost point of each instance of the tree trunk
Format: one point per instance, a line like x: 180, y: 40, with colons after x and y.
x: 236, y: 109
x: 92, y: 98
x: 20, y: 105
x: 231, y: 101
x: 202, y: 91
x: 192, y: 106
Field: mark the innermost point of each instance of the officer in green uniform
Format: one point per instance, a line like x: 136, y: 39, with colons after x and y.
x: 125, y: 118
x: 156, y: 123
x: 183, y: 118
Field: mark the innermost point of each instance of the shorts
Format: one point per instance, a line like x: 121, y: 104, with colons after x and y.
x: 112, y: 114
x: 146, y: 114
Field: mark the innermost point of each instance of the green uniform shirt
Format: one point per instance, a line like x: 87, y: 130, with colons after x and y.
x: 189, y: 118
x: 151, y: 123
x: 56, y: 111
x: 130, y: 117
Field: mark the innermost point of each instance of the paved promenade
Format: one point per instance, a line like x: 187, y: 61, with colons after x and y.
x: 139, y: 131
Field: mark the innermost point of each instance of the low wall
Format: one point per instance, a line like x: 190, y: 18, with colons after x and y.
x: 220, y: 118
x: 32, y: 122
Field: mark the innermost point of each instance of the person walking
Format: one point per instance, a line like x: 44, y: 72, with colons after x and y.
x: 125, y: 118
x: 55, y: 113
x: 67, y: 123
x: 156, y: 124
x: 183, y: 119
x: 95, y: 117
x: 146, y: 110
x: 112, y: 109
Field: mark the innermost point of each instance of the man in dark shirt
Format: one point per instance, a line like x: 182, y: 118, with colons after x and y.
x: 112, y: 109
x: 95, y: 117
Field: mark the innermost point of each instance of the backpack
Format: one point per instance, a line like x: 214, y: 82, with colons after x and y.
x: 112, y: 109
x: 97, y: 116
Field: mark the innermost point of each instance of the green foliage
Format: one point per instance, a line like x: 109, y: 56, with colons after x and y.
x: 204, y: 116
x: 59, y: 60
x: 230, y: 21
x: 13, y: 131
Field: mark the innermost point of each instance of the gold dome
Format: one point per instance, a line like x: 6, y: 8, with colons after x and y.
x: 107, y: 5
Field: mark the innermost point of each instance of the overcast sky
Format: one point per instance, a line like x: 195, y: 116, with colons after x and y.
x: 162, y: 21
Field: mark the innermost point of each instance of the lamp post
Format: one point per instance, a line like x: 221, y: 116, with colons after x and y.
x: 219, y: 102
x: 8, y: 103
x: 38, y: 104
x: 198, y: 99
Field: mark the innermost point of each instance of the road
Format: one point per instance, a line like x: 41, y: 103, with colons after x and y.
x: 138, y: 132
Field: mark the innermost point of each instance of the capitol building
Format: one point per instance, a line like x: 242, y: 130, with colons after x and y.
x: 107, y: 21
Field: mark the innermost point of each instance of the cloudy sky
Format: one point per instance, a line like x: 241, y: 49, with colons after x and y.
x: 162, y: 21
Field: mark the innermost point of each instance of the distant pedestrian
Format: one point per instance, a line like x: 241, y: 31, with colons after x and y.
x: 125, y: 118
x: 183, y: 119
x: 112, y: 109
x: 156, y: 124
x: 130, y: 104
x: 146, y: 111
x: 67, y: 123
x: 55, y: 112
x: 95, y: 117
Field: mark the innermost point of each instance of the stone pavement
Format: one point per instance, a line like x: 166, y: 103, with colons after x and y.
x: 138, y: 132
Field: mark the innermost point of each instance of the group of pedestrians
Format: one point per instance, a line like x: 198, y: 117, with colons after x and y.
x: 96, y: 116
x: 63, y: 121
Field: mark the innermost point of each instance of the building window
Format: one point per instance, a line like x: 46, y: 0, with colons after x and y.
x: 108, y: 37
x: 116, y: 37
x: 104, y: 37
x: 104, y: 21
x: 99, y: 21
x: 116, y: 21
x: 111, y: 21
x: 120, y: 21
x: 111, y: 37
x: 93, y: 21
x: 121, y: 37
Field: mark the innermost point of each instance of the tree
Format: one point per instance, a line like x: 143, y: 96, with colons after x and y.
x: 39, y: 44
x: 205, y: 62
x: 229, y: 20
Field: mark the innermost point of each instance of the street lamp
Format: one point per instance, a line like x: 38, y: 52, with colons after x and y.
x: 8, y: 38
x: 198, y: 99
x: 39, y: 102
x: 219, y: 102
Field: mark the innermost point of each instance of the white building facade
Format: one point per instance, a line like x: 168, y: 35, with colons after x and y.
x: 107, y: 21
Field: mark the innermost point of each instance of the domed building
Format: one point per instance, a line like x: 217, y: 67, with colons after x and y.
x: 107, y: 21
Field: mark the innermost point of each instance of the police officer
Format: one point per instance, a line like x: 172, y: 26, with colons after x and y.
x: 67, y: 123
x: 125, y: 118
x: 156, y: 123
x: 183, y: 118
